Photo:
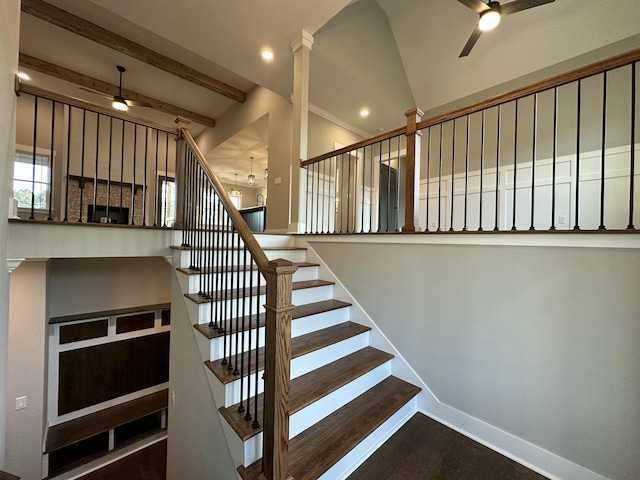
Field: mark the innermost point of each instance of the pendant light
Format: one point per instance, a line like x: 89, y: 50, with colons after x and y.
x: 251, y: 178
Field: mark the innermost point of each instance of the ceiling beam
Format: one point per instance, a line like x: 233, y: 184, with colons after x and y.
x: 86, y: 81
x: 79, y: 26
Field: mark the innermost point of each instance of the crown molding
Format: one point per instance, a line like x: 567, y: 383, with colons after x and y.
x: 332, y: 118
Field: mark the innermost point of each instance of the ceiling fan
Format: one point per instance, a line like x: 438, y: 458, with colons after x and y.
x: 490, y: 14
x: 119, y: 102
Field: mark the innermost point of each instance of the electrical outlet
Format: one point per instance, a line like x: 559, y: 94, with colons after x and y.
x: 173, y: 398
x: 278, y: 181
x: 21, y: 403
x: 562, y: 219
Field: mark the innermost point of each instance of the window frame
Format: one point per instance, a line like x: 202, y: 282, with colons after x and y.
x: 27, y: 150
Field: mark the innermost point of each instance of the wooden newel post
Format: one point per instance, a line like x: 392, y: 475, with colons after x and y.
x: 275, y: 456
x: 412, y: 184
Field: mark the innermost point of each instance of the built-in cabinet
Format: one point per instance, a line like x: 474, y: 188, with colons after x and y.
x: 108, y: 374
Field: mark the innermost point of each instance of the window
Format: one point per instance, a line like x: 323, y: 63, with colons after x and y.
x: 167, y: 200
x: 31, y: 179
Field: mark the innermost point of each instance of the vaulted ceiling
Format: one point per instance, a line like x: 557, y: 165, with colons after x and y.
x: 386, y: 55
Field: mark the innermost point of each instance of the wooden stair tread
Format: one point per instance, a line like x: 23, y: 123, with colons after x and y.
x: 243, y: 268
x: 299, y: 311
x: 312, y: 386
x: 299, y: 346
x: 66, y: 433
x: 314, y: 451
x: 241, y: 293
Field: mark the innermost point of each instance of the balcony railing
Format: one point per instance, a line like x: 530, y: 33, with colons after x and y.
x: 79, y: 163
x: 555, y: 156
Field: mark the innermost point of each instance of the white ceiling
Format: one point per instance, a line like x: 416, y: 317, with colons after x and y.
x: 387, y: 55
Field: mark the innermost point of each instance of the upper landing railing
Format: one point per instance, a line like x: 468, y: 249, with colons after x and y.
x: 558, y: 155
x: 78, y: 163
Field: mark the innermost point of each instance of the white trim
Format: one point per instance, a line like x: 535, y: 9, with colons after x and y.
x: 341, y: 123
x: 13, y: 263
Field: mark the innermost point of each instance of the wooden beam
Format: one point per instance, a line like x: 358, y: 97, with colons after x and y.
x: 93, y: 32
x: 62, y: 73
x: 110, y: 112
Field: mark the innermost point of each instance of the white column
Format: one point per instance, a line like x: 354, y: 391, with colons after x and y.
x: 301, y: 48
x: 10, y: 28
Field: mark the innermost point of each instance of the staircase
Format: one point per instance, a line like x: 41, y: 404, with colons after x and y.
x: 344, y: 400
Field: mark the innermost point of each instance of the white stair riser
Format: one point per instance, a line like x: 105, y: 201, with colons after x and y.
x: 232, y: 390
x: 233, y: 257
x: 231, y: 280
x: 299, y: 326
x: 234, y: 308
x: 301, y: 365
x: 319, y: 358
x: 347, y: 464
x: 308, y: 416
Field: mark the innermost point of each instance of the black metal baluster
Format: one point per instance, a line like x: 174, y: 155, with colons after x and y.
x: 324, y: 195
x: 33, y: 170
x: 515, y: 167
x: 371, y: 174
x: 95, y: 172
x: 166, y: 179
x: 499, y: 134
x: 428, y: 176
x: 440, y: 176
x: 632, y: 158
x: 214, y: 273
x: 228, y: 292
x: 256, y: 423
x: 66, y: 194
x: 453, y: 172
x: 604, y: 149
x: 398, y: 180
x: 133, y: 177
x: 364, y: 167
x: 144, y: 178
x: 84, y: 123
x: 555, y: 158
x: 348, y: 201
x: 155, y: 188
x: 110, y: 165
x: 247, y: 415
x: 309, y: 203
x: 122, y: 164
x: 388, y: 182
x: 247, y: 271
x: 466, y: 176
x: 239, y: 298
x: 482, y: 157
x: 576, y: 225
x: 51, y: 159
x: 533, y: 163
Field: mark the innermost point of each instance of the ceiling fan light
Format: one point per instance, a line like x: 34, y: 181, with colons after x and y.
x: 120, y: 104
x: 489, y: 19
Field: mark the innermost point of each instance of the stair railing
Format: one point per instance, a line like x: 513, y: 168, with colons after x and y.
x: 556, y: 156
x: 221, y: 243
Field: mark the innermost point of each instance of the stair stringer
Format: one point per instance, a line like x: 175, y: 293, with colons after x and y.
x: 400, y: 367
x: 234, y: 445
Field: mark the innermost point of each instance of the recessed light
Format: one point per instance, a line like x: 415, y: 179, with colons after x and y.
x: 364, y: 112
x: 23, y: 76
x: 267, y: 55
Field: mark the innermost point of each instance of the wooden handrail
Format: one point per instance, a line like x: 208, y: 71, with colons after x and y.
x: 355, y: 146
x: 241, y: 226
x: 556, y: 81
x: 74, y: 102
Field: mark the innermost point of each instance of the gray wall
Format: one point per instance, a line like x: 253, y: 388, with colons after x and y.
x: 541, y: 342
x: 9, y: 36
x: 197, y: 447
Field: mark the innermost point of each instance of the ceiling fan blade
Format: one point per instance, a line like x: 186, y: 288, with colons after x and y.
x: 477, y: 6
x: 519, y: 5
x: 95, y: 92
x: 471, y: 42
x: 137, y: 103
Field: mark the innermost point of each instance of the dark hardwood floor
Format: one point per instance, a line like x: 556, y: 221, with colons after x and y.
x: 424, y: 449
x: 147, y: 464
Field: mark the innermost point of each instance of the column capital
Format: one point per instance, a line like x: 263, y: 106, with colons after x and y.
x: 304, y: 40
x: 13, y: 263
